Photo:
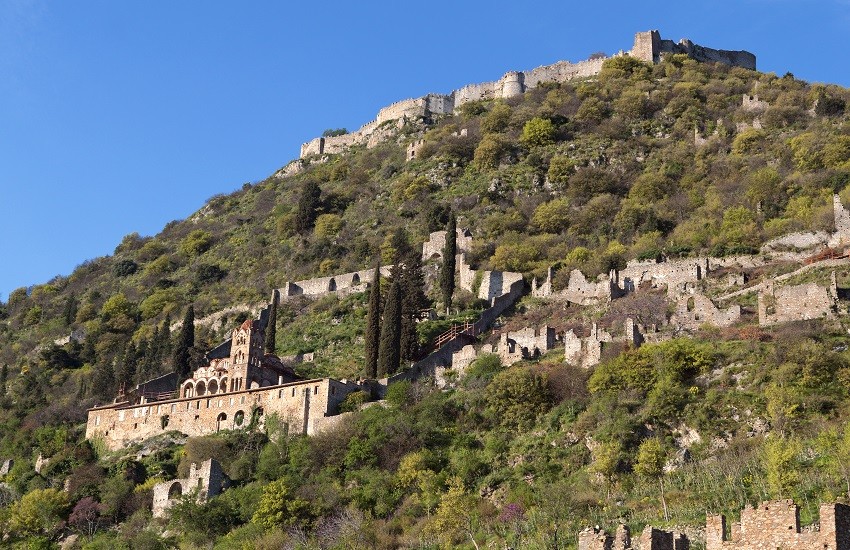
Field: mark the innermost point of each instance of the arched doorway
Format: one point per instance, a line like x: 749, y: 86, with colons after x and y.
x: 175, y: 491
x: 220, y: 422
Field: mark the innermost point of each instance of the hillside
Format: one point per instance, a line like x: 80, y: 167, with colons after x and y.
x: 683, y: 161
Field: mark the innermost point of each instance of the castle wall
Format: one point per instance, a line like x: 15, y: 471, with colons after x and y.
x: 648, y: 47
x: 776, y: 524
x: 436, y: 242
x: 672, y: 273
x: 297, y: 404
x: 344, y: 284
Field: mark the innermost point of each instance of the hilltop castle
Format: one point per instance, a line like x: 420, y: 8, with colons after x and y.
x: 648, y: 46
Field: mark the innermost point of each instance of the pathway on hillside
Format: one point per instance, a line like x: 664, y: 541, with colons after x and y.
x: 786, y: 276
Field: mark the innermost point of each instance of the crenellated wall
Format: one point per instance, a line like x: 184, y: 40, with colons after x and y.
x: 776, y: 524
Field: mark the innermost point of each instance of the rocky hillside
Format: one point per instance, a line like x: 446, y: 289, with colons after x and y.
x: 683, y: 161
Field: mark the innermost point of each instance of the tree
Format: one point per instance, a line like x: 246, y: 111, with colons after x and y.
x: 781, y: 466
x: 184, y: 344
x: 38, y: 512
x: 308, y: 204
x: 271, y: 328
x: 552, y: 216
x: 389, y: 351
x: 515, y: 398
x: 447, y: 275
x: 70, y: 313
x: 373, y: 324
x: 537, y: 132
x: 278, y: 507
x: 4, y: 376
x: 650, y: 462
x: 85, y: 516
x: 455, y: 517
x: 413, y: 300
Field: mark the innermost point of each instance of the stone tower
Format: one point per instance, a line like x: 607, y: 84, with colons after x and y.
x: 647, y: 46
x: 513, y: 84
x: 246, y: 354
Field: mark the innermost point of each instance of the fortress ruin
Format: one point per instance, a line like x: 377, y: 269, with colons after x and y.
x: 648, y: 47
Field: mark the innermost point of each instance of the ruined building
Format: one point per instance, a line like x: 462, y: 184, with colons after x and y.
x: 776, y: 524
x: 205, y: 481
x: 237, y: 386
x: 650, y: 539
x: 648, y: 47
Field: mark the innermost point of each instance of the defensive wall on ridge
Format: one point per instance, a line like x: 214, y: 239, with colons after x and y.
x: 648, y: 46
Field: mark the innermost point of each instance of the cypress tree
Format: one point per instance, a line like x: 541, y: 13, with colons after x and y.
x: 271, y: 328
x: 373, y: 324
x: 308, y: 204
x: 413, y: 300
x: 183, y: 345
x: 125, y: 368
x: 389, y: 356
x: 4, y: 374
x: 447, y: 275
x: 70, y: 312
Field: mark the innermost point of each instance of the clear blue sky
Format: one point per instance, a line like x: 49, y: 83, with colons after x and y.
x: 121, y: 116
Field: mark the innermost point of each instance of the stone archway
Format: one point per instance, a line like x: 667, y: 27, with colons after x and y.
x: 175, y: 491
x: 220, y: 422
x: 332, y: 285
x: 212, y: 387
x: 188, y: 390
x: 200, y: 388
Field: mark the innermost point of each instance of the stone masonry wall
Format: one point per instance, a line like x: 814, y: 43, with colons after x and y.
x: 343, y: 284
x: 650, y: 539
x: 697, y: 309
x: 796, y: 302
x: 648, y: 47
x: 436, y: 242
x: 298, y: 404
x: 776, y: 524
x: 207, y: 478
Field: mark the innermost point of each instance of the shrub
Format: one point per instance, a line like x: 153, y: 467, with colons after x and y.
x: 537, y: 132
x: 196, y: 243
x: 552, y: 216
x: 328, y: 225
x: 353, y: 401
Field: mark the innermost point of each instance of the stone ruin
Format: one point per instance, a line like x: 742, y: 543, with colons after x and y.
x: 696, y: 309
x: 776, y: 524
x: 342, y: 285
x: 493, y: 283
x: 513, y: 347
x: 433, y: 247
x: 208, y: 480
x: 650, y: 539
x: 6, y: 467
x: 648, y: 46
x: 585, y: 352
x: 797, y: 302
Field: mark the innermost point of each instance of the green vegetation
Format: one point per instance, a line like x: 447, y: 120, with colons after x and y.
x: 585, y: 174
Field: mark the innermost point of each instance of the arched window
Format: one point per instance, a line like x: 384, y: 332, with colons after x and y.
x: 213, y: 386
x: 223, y: 387
x: 188, y: 390
x: 239, y: 418
x: 200, y: 388
x: 355, y: 280
x: 332, y: 284
x: 220, y: 422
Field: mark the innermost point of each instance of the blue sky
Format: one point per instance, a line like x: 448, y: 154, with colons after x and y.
x: 118, y: 117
